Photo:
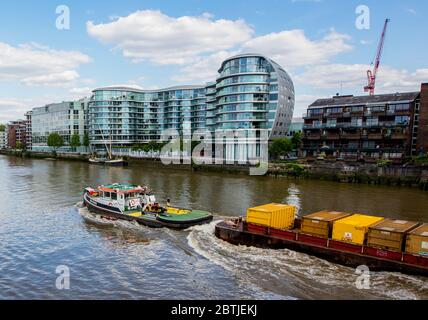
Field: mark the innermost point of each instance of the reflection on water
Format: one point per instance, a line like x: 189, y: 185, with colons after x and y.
x: 41, y: 228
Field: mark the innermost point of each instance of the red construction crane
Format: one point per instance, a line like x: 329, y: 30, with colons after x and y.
x: 371, y: 75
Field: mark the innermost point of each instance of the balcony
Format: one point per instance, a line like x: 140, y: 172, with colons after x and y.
x: 351, y: 136
x: 399, y: 136
x: 312, y: 116
x: 375, y: 136
x: 313, y: 126
x: 357, y: 113
x: 398, y: 112
x: 331, y: 136
x: 312, y: 137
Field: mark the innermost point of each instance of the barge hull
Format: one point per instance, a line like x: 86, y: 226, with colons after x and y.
x: 239, y: 236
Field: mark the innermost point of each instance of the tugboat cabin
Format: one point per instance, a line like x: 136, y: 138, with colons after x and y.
x: 124, y: 197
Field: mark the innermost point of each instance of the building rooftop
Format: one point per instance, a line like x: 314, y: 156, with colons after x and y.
x: 134, y: 89
x: 363, y: 100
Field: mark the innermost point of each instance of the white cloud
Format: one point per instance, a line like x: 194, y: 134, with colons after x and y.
x: 204, y: 69
x: 13, y: 109
x: 33, y: 64
x: 60, y: 79
x: 303, y: 101
x: 161, y: 39
x: 353, y: 76
x: 79, y: 93
x: 292, y: 48
x: 411, y: 11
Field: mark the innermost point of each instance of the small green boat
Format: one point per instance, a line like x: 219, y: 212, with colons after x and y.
x: 137, y: 203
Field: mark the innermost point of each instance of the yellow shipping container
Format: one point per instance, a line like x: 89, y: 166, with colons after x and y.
x: 354, y: 228
x: 275, y: 215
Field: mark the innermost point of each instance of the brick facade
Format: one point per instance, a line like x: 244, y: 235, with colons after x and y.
x: 422, y: 131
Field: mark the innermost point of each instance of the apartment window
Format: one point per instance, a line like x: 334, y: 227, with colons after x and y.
x: 401, y: 120
x: 378, y: 109
x: 315, y: 112
x: 331, y: 122
x: 372, y: 121
x: 334, y: 110
x: 369, y: 145
x: 357, y: 109
x: 317, y: 123
x: 357, y: 122
x: 398, y: 107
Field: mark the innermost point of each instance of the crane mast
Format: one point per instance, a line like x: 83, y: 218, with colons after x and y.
x: 371, y: 75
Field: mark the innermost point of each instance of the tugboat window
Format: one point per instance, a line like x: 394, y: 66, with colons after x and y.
x: 107, y: 194
x: 114, y: 196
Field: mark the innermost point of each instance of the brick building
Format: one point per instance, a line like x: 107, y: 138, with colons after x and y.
x: 16, y: 131
x: 367, y: 128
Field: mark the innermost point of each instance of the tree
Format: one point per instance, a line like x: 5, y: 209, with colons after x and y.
x: 75, y: 141
x: 2, y: 127
x: 296, y: 140
x: 19, y: 145
x: 86, y: 140
x: 55, y: 141
x: 280, y: 147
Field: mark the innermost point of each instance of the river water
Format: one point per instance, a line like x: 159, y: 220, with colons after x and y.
x: 42, y: 228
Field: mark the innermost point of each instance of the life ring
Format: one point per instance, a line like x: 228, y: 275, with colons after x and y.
x: 110, y: 204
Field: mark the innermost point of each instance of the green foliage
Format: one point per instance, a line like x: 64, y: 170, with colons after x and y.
x: 422, y: 159
x: 296, y: 140
x: 295, y: 169
x: 19, y: 145
x: 55, y: 141
x: 86, y: 140
x: 147, y: 147
x: 2, y: 127
x: 75, y: 141
x: 280, y: 147
x: 384, y: 163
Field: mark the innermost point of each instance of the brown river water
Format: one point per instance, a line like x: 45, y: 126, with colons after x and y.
x: 42, y: 228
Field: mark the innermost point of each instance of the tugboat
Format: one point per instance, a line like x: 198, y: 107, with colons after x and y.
x: 137, y: 203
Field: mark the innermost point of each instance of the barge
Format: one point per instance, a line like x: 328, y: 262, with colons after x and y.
x: 239, y: 231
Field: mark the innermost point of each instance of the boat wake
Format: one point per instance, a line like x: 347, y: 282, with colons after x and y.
x: 299, y: 275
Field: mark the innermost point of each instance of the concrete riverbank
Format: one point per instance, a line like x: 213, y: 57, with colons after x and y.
x: 397, y: 175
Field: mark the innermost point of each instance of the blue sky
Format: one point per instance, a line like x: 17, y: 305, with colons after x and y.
x: 154, y: 44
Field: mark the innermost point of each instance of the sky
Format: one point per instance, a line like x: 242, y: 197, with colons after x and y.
x: 325, y: 45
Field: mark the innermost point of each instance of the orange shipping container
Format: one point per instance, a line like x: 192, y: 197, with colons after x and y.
x: 417, y: 240
x: 321, y: 223
x: 389, y: 234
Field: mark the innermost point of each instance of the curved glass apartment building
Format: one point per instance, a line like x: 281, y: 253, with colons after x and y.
x: 254, y: 92
x: 251, y: 92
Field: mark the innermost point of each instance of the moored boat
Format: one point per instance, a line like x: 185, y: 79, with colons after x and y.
x: 116, y: 162
x: 95, y: 160
x: 137, y: 203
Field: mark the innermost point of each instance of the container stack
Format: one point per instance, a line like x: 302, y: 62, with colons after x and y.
x: 417, y: 241
x: 353, y: 228
x: 321, y: 223
x: 273, y: 215
x: 389, y: 234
